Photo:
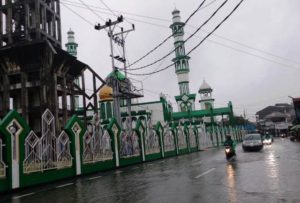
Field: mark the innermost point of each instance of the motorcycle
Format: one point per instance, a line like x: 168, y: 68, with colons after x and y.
x: 230, y: 153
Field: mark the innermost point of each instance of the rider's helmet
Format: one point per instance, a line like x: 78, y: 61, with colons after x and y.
x: 228, y: 136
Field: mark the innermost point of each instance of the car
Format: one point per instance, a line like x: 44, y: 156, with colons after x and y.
x: 252, y: 142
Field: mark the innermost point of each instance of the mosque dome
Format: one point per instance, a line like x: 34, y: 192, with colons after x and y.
x: 105, y: 93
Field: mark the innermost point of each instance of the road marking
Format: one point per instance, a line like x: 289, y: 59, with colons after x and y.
x: 18, y: 197
x: 149, y: 164
x: 162, y: 162
x: 207, y: 172
x: 95, y: 177
x: 197, y: 163
x: 65, y: 185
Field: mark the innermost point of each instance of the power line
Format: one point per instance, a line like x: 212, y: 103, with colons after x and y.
x: 255, y: 55
x: 253, y: 48
x: 143, y: 74
x: 84, y: 19
x: 215, y: 27
x: 75, y: 4
x: 89, y: 8
x: 160, y: 44
x: 108, y: 7
x: 212, y: 41
x: 158, y: 67
x: 197, y: 30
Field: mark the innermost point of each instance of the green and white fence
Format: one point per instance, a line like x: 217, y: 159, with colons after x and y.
x: 27, y: 158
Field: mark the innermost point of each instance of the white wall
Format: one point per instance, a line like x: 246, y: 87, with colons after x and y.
x: 156, y: 110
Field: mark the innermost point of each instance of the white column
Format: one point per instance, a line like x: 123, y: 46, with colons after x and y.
x: 78, y: 158
x: 116, y: 149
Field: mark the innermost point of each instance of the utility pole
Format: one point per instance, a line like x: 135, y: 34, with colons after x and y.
x: 123, y: 59
x: 111, y: 26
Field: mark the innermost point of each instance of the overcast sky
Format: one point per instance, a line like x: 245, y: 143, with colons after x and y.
x: 251, y: 60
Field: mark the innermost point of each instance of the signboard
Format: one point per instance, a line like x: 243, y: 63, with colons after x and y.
x: 281, y: 126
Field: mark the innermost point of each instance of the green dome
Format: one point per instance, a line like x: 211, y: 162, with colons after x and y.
x: 117, y: 74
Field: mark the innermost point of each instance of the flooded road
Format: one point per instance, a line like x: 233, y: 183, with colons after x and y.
x: 272, y: 175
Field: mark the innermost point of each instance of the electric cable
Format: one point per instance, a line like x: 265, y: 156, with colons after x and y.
x: 108, y: 7
x: 84, y: 19
x: 75, y: 4
x: 173, y: 50
x: 212, y: 41
x: 92, y: 11
x: 143, y: 74
x: 160, y: 44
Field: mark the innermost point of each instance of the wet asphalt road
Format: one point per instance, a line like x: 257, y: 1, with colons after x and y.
x: 272, y: 175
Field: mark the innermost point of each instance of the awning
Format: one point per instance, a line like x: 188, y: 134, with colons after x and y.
x: 295, y: 127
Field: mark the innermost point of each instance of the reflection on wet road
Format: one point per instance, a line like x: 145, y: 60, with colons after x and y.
x: 272, y: 175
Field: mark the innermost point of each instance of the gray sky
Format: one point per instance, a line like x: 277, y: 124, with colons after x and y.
x: 229, y: 60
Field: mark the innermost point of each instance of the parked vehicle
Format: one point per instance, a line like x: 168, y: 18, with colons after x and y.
x: 252, y: 142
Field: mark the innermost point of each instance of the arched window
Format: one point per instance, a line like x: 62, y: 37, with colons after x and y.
x: 109, y: 109
x: 102, y: 111
x: 184, y: 64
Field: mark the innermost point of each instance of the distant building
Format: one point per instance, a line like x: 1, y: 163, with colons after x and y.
x: 276, y: 119
x: 296, y: 103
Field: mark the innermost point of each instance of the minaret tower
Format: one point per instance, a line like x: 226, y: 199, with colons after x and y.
x: 71, y: 46
x: 185, y: 100
x: 206, y: 99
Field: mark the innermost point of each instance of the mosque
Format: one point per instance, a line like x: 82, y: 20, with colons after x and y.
x: 161, y: 110
x: 51, y: 128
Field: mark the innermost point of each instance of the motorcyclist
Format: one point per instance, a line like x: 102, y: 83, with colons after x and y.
x: 229, y: 142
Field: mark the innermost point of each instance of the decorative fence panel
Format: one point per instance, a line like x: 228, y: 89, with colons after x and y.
x: 2, y: 164
x: 182, y: 143
x: 48, y: 142
x: 192, y: 136
x: 168, y: 137
x: 33, y: 160
x: 129, y: 144
x: 48, y: 152
x: 152, y: 142
x: 64, y: 157
x: 96, y: 144
x: 204, y: 137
